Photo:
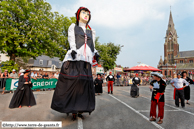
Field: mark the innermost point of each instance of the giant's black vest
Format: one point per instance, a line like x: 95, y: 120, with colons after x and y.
x: 80, y: 38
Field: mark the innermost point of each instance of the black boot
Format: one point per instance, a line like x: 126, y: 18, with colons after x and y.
x: 81, y: 116
x: 74, y: 116
x: 108, y: 92
x: 111, y: 92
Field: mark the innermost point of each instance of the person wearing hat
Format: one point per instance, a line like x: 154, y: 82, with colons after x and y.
x: 13, y: 74
x: 110, y: 78
x: 74, y: 92
x: 157, y: 86
x: 98, y: 84
x: 21, y: 72
x: 179, y: 84
x: 134, y: 88
x: 187, y: 89
x: 23, y: 95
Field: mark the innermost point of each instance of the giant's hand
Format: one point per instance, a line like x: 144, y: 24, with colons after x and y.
x: 97, y: 57
x: 73, y: 53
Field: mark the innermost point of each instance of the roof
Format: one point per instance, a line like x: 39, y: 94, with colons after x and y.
x: 182, y: 54
x: 47, y: 62
x: 185, y: 66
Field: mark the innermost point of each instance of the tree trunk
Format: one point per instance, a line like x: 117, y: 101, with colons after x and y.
x: 12, y: 57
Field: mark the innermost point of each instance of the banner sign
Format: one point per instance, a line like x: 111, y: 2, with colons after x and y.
x: 12, y: 84
x: 99, y: 70
x: 118, y: 69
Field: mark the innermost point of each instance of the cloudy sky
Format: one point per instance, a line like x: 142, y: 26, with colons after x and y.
x: 139, y: 25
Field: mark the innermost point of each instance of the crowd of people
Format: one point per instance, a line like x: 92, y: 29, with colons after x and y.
x: 34, y: 75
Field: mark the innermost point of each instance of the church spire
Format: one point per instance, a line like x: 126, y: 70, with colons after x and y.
x: 171, y: 46
x: 171, y: 23
x: 171, y: 29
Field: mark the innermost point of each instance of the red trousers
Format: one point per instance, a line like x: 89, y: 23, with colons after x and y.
x: 110, y: 84
x: 160, y: 109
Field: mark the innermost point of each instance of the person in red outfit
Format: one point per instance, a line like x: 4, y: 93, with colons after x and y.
x: 110, y: 78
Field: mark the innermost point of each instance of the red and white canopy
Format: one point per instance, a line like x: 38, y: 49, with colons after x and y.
x: 142, y: 67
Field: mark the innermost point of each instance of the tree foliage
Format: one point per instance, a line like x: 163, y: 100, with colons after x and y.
x: 29, y: 28
x: 9, y: 65
x: 108, y: 53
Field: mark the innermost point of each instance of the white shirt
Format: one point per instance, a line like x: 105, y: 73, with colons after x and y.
x: 56, y: 75
x: 80, y: 52
x: 156, y: 85
x: 110, y: 76
x: 178, y: 83
x: 33, y: 75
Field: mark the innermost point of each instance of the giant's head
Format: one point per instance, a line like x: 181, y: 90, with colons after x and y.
x: 83, y: 15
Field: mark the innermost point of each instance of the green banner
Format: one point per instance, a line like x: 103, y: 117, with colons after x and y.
x: 44, y: 83
x: 8, y: 84
x: 12, y: 84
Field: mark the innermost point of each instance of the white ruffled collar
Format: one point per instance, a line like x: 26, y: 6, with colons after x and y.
x: 82, y: 24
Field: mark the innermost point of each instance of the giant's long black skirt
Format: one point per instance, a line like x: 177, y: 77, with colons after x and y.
x: 23, y: 97
x: 187, y: 92
x: 74, y: 91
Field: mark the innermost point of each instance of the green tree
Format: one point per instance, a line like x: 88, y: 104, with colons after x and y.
x: 108, y: 53
x: 25, y: 29
x: 59, y: 33
x: 9, y: 65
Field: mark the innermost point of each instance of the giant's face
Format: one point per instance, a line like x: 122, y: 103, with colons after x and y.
x: 84, y: 16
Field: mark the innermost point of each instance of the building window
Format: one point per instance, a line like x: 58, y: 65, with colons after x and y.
x: 170, y: 73
x: 190, y: 61
x: 49, y: 62
x: 53, y: 67
x: 181, y: 61
x: 41, y: 62
x: 165, y: 73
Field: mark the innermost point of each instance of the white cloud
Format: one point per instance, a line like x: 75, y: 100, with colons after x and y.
x: 139, y: 25
x: 119, y: 14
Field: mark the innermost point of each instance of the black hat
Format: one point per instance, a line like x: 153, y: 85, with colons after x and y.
x: 26, y: 71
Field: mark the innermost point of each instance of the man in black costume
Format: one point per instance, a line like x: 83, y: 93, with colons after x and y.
x: 134, y: 88
x: 157, y: 86
x: 74, y: 92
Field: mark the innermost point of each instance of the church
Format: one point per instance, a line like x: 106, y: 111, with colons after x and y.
x: 174, y: 60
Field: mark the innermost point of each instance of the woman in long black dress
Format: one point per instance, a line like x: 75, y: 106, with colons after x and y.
x: 98, y: 84
x: 187, y: 88
x: 23, y: 95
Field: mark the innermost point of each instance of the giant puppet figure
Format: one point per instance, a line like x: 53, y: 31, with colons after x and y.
x: 74, y: 92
